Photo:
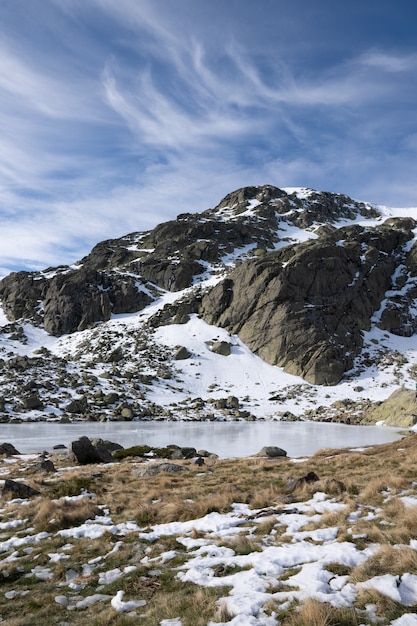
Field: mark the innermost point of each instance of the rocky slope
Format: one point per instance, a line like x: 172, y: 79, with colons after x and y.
x: 298, y: 276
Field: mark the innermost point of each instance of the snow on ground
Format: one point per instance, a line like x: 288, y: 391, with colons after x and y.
x: 296, y: 568
x: 242, y: 374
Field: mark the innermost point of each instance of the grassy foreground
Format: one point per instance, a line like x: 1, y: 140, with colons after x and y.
x: 40, y: 565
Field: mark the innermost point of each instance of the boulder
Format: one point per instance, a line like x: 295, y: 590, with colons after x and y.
x: 110, y: 446
x: 181, y: 354
x: 221, y: 347
x: 188, y: 453
x: 272, y: 452
x: 84, y: 452
x: 126, y: 413
x: 8, y: 449
x: 78, y: 405
x: 232, y: 402
x: 156, y: 468
x: 32, y: 402
x: 19, y: 490
x: 45, y: 465
x: 296, y: 483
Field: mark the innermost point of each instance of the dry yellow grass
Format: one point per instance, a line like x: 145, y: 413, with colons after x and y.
x: 314, y: 613
x: 395, y: 560
x: 53, y: 515
x: 374, y: 482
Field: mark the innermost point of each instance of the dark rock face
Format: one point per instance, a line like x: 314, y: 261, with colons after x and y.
x: 304, y: 307
x: 72, y: 300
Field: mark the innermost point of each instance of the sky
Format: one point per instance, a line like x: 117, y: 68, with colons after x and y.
x: 116, y: 116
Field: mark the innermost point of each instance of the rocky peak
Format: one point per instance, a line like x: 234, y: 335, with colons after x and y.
x: 300, y: 304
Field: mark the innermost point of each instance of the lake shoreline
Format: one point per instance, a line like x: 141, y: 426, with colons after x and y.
x: 229, y: 439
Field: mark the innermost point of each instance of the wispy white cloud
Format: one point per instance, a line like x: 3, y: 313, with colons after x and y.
x: 387, y: 62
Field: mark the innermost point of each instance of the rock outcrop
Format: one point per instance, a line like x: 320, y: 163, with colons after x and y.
x: 399, y: 410
x: 304, y: 307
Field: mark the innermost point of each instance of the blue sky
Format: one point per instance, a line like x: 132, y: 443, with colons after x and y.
x: 116, y: 115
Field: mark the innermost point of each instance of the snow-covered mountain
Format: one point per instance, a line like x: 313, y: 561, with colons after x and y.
x: 276, y: 303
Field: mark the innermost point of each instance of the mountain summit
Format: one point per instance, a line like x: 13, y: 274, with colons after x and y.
x: 297, y: 277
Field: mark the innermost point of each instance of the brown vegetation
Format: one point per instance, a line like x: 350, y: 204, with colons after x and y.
x: 374, y: 481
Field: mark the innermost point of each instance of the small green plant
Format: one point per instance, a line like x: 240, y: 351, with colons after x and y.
x: 71, y: 487
x: 143, y: 451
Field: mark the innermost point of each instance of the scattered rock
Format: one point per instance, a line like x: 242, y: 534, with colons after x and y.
x: 181, y: 354
x: 32, y: 402
x: 272, y: 452
x: 296, y: 483
x: 157, y: 468
x: 221, y: 347
x: 78, y: 405
x: 45, y: 465
x: 20, y: 490
x: 8, y: 449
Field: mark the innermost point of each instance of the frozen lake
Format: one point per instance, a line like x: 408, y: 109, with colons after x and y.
x: 227, y: 439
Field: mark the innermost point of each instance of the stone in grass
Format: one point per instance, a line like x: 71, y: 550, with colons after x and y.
x: 295, y: 483
x: 8, y: 449
x: 272, y: 452
x: 157, y: 468
x: 20, y: 490
x: 45, y: 465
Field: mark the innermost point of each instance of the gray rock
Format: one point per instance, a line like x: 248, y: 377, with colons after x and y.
x: 295, y: 483
x: 126, y: 413
x: 188, y: 453
x: 78, y: 405
x: 111, y: 446
x: 84, y: 452
x: 45, y: 465
x: 304, y: 307
x: 19, y: 490
x: 157, y: 468
x: 232, y: 402
x: 181, y: 354
x: 32, y: 402
x: 8, y: 449
x: 272, y: 452
x: 221, y: 347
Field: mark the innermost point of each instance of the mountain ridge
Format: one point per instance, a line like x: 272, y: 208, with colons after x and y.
x: 297, y: 276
